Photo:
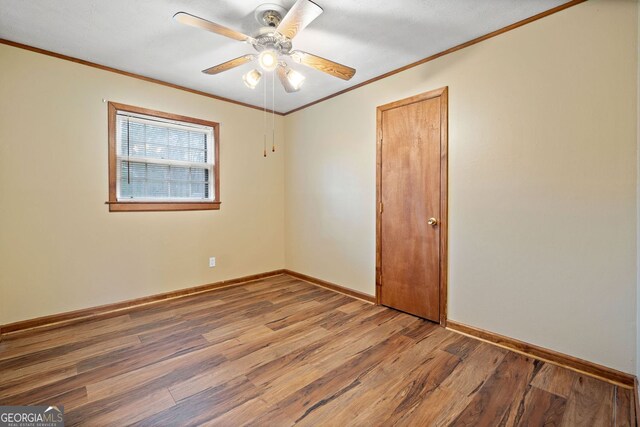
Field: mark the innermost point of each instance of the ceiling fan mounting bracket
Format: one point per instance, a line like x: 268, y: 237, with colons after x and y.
x: 271, y: 18
x: 269, y: 14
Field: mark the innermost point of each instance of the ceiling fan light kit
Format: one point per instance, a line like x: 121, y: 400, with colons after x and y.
x: 273, y: 41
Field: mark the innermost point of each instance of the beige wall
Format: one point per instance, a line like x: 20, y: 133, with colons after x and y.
x: 60, y: 248
x: 638, y: 213
x: 542, y: 182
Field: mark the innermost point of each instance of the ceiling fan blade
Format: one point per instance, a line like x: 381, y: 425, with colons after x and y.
x: 241, y: 60
x: 282, y: 75
x: 324, y: 65
x: 194, y: 21
x: 299, y: 16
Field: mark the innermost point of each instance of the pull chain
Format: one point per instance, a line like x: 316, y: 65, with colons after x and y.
x: 265, y: 119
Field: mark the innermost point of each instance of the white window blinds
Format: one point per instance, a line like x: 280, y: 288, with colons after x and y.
x: 163, y: 160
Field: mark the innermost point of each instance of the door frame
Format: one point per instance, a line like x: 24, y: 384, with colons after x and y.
x: 443, y: 94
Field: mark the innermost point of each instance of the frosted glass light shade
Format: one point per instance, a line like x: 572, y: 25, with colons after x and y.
x: 268, y: 60
x: 295, y: 78
x: 252, y: 78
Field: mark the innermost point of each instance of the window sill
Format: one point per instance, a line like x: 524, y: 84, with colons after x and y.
x: 162, y: 206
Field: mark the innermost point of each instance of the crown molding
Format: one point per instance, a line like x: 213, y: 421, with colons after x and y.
x: 359, y: 85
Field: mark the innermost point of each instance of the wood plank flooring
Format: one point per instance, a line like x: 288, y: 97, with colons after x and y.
x: 280, y: 352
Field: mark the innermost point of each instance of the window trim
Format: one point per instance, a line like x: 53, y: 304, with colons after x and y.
x: 116, y: 205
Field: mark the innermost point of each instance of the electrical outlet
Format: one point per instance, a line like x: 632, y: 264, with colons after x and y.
x: 212, y: 261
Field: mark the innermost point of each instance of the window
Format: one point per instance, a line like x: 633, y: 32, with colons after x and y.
x: 160, y: 161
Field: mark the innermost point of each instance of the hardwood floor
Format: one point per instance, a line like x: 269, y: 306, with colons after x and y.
x: 280, y: 351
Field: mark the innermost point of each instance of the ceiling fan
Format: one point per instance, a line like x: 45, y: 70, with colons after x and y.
x: 273, y: 43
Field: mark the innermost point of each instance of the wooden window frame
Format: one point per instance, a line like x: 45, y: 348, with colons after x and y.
x: 121, y: 206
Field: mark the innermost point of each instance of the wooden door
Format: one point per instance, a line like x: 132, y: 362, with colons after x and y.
x: 412, y: 205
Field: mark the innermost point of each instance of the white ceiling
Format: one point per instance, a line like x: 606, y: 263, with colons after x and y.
x: 372, y: 36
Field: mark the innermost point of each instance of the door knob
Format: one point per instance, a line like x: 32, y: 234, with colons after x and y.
x: 432, y: 221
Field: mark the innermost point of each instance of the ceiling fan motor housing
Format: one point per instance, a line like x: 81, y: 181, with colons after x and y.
x: 272, y: 41
x: 270, y: 15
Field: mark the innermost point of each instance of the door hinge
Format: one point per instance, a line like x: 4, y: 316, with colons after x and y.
x: 381, y: 207
x: 379, y: 279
